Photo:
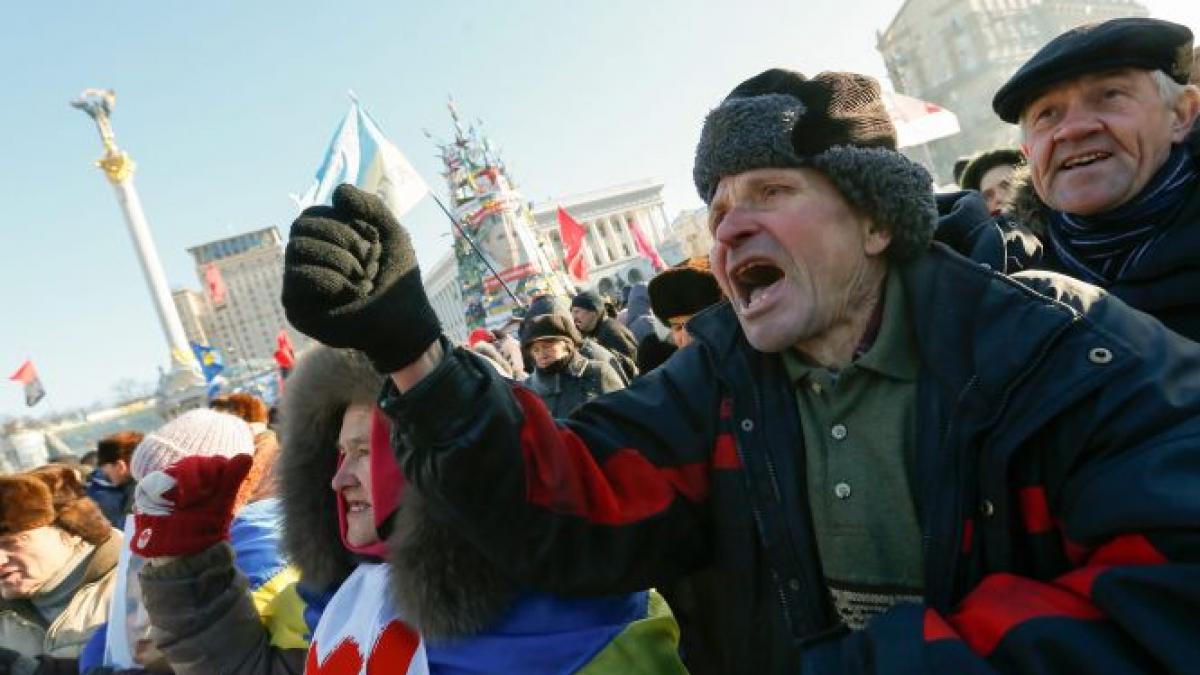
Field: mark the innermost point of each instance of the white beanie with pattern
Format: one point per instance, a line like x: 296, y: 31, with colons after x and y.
x: 201, y: 432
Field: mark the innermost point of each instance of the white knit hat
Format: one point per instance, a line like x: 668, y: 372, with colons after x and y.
x: 201, y: 432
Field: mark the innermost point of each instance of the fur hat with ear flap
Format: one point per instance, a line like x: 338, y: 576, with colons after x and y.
x: 835, y: 123
x: 51, y: 495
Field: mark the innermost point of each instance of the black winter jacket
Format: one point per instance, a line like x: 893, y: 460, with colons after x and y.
x: 580, y: 380
x: 1057, y: 481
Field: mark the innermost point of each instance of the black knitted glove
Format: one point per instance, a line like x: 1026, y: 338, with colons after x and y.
x: 350, y: 279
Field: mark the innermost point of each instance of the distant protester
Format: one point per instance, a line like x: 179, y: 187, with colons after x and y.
x: 591, y: 317
x: 111, y: 484
x: 563, y: 377
x: 991, y: 174
x: 678, y: 293
x: 58, y: 558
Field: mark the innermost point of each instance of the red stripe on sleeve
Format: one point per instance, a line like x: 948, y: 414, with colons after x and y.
x: 1004, y: 601
x: 968, y: 536
x: 725, y: 454
x: 1035, y: 510
x: 936, y: 628
x: 726, y: 408
x: 1127, y: 549
x: 562, y: 475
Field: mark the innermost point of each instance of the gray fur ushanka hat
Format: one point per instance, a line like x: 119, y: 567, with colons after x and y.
x: 835, y: 123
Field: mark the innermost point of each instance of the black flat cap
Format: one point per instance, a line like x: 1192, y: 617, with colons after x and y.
x: 1152, y: 44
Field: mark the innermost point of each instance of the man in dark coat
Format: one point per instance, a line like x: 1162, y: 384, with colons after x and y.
x: 592, y: 319
x: 894, y: 458
x: 562, y: 377
x: 1112, y: 190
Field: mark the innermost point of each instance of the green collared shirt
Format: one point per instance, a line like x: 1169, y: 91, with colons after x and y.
x: 859, y: 446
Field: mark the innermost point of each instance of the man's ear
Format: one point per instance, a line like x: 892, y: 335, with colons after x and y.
x: 877, y: 239
x: 1186, y: 109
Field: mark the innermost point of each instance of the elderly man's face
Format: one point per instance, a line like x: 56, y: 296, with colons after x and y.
x: 1095, y: 141
x: 31, y: 558
x: 791, y: 254
x: 585, y: 319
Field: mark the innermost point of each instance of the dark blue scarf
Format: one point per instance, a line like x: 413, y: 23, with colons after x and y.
x: 1100, y: 249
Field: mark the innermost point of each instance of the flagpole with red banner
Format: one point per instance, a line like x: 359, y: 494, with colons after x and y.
x: 27, y: 376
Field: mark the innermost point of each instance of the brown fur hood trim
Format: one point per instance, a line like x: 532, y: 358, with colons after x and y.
x: 445, y: 585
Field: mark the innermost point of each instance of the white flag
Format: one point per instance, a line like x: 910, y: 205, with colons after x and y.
x: 918, y: 121
x: 360, y: 154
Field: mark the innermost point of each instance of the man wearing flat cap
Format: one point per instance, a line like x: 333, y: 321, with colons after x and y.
x: 58, y: 561
x: 893, y: 459
x: 1108, y: 124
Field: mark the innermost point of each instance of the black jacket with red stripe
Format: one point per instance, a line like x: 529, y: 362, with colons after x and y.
x: 1057, y: 481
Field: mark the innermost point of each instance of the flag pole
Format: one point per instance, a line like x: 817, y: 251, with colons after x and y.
x: 458, y: 228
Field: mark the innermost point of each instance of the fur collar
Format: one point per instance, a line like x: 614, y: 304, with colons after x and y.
x: 443, y: 584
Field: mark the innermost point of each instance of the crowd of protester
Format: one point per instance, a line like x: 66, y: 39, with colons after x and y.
x: 877, y: 430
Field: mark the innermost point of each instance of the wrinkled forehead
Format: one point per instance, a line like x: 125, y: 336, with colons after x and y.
x: 1081, y: 84
x: 734, y: 185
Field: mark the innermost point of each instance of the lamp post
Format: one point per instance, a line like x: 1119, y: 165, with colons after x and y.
x: 182, y: 385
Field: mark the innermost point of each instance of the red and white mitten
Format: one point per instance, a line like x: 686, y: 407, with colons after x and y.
x: 188, y: 506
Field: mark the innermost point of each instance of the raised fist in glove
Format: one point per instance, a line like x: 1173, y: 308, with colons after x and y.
x: 350, y: 279
x: 187, y: 507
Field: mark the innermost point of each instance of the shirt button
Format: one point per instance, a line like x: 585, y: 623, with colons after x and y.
x: 794, y: 584
x: 747, y: 424
x: 842, y: 490
x: 838, y: 431
x: 816, y: 387
x: 986, y: 509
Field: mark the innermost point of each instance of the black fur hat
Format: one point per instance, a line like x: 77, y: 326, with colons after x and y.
x: 684, y: 289
x: 549, y: 326
x: 835, y: 123
x: 972, y: 176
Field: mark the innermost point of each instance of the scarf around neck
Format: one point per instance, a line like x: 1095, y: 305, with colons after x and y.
x: 1102, y: 248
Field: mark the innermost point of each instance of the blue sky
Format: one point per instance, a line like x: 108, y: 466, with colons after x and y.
x: 227, y: 108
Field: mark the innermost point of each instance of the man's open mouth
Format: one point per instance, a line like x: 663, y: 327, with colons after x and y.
x: 752, y: 280
x: 1084, y: 160
x: 355, y: 506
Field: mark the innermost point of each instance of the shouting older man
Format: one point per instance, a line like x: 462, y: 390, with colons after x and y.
x: 1113, y: 190
x: 894, y: 459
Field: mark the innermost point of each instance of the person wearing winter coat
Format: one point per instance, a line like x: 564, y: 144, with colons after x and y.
x: 232, y: 518
x: 588, y: 347
x: 1111, y: 194
x: 111, y: 484
x: 591, y: 318
x: 563, y: 377
x: 380, y: 560
x: 58, y: 557
x: 895, y: 458
x: 639, y: 319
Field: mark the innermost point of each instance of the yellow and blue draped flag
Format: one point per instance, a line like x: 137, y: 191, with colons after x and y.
x: 361, y: 155
x: 209, y: 358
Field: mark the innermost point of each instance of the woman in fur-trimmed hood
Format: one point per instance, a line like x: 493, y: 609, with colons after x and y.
x: 418, y: 590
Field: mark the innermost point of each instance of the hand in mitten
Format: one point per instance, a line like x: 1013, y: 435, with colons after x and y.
x: 350, y: 279
x: 187, y: 507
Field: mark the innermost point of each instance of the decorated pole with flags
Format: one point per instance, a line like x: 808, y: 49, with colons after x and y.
x: 27, y: 375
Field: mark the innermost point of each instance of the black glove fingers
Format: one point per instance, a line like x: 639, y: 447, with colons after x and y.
x: 344, y: 235
x: 308, y: 287
x: 321, y: 253
x: 363, y: 206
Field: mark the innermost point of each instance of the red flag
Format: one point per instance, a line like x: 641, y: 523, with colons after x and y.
x: 644, y: 247
x: 216, y: 285
x: 285, y: 354
x: 27, y: 375
x: 572, y: 237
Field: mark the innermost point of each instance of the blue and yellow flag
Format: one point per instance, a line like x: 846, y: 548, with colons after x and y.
x: 211, y: 363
